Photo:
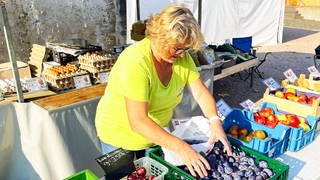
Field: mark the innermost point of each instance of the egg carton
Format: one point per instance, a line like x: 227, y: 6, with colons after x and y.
x: 96, y: 60
x: 97, y: 69
x: 62, y: 82
x: 8, y: 87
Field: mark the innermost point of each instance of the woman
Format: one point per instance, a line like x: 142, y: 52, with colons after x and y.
x: 146, y: 84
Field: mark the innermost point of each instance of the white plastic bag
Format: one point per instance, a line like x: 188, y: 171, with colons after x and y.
x: 195, y: 129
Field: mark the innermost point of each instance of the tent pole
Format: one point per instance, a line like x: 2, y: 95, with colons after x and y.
x: 12, y: 57
x: 199, y: 11
x: 138, y: 9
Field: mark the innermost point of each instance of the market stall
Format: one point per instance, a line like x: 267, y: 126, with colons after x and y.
x: 55, y: 138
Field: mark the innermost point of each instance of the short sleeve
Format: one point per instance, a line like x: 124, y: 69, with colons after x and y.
x: 193, y: 74
x: 134, y: 81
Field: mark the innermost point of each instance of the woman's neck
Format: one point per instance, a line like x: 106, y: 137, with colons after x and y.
x: 157, y: 55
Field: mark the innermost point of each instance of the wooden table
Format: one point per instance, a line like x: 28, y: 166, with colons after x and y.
x: 27, y: 96
x: 238, y: 68
x: 71, y: 97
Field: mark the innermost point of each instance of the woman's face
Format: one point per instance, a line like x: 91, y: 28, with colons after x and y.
x: 175, y: 52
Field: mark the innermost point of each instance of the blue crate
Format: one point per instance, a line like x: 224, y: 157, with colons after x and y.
x: 273, y: 146
x: 297, y: 138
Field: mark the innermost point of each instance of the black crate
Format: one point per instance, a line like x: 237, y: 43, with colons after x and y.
x: 317, y: 50
x: 63, y: 58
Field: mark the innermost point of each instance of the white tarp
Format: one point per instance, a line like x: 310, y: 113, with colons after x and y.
x: 37, y: 144
x: 221, y: 20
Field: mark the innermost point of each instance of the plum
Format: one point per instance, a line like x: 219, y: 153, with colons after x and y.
x: 220, y: 169
x: 228, y: 170
x: 242, y: 153
x: 231, y: 159
x: 226, y: 164
x: 222, y: 158
x: 250, y: 161
x: 248, y: 173
x: 236, y: 177
x: 263, y: 164
x: 264, y: 175
x: 252, y: 177
x: 226, y: 177
x: 215, y: 174
x: 218, y: 144
x: 211, y: 159
x: 243, y: 159
x: 241, y: 173
x: 243, y: 167
x: 258, y: 177
x: 216, y: 151
x: 268, y: 171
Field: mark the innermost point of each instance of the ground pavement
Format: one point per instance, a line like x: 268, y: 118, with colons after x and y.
x: 296, y: 52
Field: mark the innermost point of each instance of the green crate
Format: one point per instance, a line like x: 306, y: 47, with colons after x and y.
x: 83, y: 175
x: 281, y: 170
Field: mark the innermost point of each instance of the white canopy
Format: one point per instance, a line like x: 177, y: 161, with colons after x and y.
x: 221, y: 20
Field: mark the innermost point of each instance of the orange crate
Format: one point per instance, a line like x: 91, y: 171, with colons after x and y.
x: 293, y: 106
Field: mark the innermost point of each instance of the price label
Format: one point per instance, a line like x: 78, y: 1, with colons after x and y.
x: 82, y: 81
x: 36, y: 84
x: 290, y: 75
x: 248, y: 104
x: 313, y: 69
x: 271, y: 83
x: 104, y: 77
x: 223, y: 107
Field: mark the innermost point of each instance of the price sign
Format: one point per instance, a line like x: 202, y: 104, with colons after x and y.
x: 104, y: 77
x: 36, y: 84
x: 271, y: 83
x: 82, y: 81
x: 223, y: 107
x: 248, y: 104
x: 290, y: 75
x: 313, y: 69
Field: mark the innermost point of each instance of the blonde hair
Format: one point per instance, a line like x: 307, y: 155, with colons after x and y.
x: 174, y: 25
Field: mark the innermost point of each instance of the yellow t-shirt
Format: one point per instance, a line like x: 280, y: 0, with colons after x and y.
x: 134, y: 76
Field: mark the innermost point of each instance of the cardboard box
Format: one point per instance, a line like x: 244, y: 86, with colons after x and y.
x: 6, y: 70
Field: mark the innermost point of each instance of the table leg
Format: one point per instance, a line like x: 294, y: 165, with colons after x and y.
x: 251, y: 70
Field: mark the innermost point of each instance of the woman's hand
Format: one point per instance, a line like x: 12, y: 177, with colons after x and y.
x: 217, y: 133
x: 193, y: 160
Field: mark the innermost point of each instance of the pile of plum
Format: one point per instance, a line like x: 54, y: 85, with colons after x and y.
x: 236, y: 167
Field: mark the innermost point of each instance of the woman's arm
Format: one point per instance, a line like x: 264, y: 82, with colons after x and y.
x: 208, y: 106
x: 145, y: 126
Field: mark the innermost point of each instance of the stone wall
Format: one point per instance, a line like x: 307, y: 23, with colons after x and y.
x: 101, y: 22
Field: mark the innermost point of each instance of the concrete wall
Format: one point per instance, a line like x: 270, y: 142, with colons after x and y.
x: 101, y: 22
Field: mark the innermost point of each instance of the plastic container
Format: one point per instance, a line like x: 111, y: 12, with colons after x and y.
x: 83, y: 175
x: 153, y: 167
x: 297, y: 138
x: 281, y: 170
x: 274, y: 145
x: 294, y: 107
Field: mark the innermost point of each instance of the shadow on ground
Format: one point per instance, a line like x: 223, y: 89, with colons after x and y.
x: 290, y: 34
x: 233, y: 90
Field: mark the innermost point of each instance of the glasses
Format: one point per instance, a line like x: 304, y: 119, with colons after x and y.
x: 181, y: 50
